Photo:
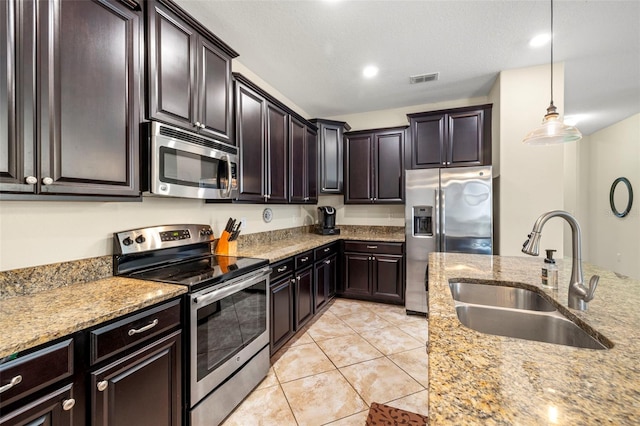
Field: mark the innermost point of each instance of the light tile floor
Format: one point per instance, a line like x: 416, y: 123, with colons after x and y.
x: 353, y: 353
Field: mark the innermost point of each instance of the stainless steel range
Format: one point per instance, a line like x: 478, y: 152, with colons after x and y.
x: 228, y: 339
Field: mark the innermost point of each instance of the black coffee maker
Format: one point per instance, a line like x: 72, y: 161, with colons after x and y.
x: 327, y: 221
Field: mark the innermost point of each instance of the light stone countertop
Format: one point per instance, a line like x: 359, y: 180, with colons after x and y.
x: 33, y: 319
x: 477, y: 378
x: 30, y: 320
x: 282, y: 249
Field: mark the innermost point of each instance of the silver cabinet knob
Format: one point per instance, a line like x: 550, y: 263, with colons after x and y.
x: 31, y: 180
x: 68, y: 404
x: 47, y: 180
x: 103, y: 385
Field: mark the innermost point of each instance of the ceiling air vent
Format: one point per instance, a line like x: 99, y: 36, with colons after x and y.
x: 423, y: 78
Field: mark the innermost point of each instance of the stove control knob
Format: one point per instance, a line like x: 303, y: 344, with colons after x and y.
x: 140, y: 239
x: 209, y: 232
x: 127, y: 241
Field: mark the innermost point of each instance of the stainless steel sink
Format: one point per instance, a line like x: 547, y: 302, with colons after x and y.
x: 520, y: 313
x: 500, y: 296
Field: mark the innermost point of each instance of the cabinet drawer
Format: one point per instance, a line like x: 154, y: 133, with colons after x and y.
x: 304, y: 259
x: 120, y: 335
x: 374, y: 247
x: 324, y: 251
x: 281, y: 268
x: 35, y: 371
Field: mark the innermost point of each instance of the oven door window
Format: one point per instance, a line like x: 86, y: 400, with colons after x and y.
x: 226, y: 326
x: 189, y: 169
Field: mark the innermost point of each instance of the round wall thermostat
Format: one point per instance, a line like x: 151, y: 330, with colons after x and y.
x: 267, y: 215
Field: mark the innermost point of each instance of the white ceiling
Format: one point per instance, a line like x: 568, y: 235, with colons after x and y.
x: 313, y: 52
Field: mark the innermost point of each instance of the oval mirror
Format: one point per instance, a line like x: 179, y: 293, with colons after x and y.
x: 621, y: 196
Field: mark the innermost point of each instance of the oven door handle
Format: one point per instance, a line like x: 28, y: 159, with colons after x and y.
x: 231, y: 288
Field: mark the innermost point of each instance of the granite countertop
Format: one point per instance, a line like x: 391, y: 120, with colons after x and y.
x: 30, y: 320
x: 477, y: 378
x: 296, y: 244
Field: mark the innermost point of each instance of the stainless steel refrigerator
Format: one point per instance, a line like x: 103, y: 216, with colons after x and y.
x: 446, y: 210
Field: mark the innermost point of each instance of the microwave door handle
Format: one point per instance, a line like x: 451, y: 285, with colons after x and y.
x: 228, y: 191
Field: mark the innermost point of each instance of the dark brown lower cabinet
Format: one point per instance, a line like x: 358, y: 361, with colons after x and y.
x: 282, y: 319
x: 357, y: 274
x: 374, y: 271
x: 53, y: 409
x: 141, y: 389
x: 325, y: 280
x: 387, y: 278
x: 304, y: 296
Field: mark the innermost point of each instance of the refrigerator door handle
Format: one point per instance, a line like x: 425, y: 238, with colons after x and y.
x: 443, y: 214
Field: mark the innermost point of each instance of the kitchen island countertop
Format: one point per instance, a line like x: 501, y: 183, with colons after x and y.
x: 477, y: 378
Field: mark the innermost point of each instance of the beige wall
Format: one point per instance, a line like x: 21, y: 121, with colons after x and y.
x: 614, y: 243
x: 531, y: 177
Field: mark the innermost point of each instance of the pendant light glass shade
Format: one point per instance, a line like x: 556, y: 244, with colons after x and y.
x: 552, y: 131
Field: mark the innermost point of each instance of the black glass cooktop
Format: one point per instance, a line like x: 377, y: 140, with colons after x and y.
x: 203, y: 272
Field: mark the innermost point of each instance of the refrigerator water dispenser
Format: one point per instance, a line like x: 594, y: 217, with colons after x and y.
x: 423, y: 221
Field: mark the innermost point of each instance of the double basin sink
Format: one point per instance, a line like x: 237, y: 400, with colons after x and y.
x: 518, y: 312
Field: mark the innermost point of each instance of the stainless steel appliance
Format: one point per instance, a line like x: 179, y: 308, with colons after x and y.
x: 227, y: 311
x: 446, y: 210
x: 177, y: 163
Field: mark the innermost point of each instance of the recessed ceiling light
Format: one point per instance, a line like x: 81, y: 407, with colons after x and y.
x: 540, y: 40
x: 370, y: 71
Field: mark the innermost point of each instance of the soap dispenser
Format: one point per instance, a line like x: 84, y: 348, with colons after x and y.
x: 550, y: 271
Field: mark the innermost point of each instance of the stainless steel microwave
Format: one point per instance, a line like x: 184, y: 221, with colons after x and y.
x: 178, y: 163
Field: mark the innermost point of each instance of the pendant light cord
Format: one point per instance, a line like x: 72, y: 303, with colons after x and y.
x: 551, y: 52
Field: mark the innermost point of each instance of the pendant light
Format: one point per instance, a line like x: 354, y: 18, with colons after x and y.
x: 552, y: 130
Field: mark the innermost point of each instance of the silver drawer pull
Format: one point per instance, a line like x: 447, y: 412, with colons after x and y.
x: 372, y: 247
x: 68, y: 404
x: 143, y: 329
x: 304, y: 259
x: 327, y: 262
x: 103, y: 385
x: 284, y: 268
x: 327, y: 249
x: 11, y: 384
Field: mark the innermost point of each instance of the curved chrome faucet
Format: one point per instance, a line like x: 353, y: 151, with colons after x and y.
x: 579, y: 295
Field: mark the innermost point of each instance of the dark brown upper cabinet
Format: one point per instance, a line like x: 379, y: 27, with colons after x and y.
x: 303, y: 179
x: 71, y: 98
x: 374, y: 166
x: 189, y: 73
x: 262, y: 135
x: 330, y: 162
x: 451, y: 138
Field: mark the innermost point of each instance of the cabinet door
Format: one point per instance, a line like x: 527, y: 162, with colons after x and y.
x: 297, y: 161
x: 277, y: 185
x: 281, y: 312
x: 17, y: 96
x: 358, y: 173
x: 389, y: 167
x: 214, y: 89
x: 464, y: 139
x: 388, y: 278
x: 321, y: 283
x: 330, y: 158
x: 142, y: 389
x: 89, y: 97
x: 53, y: 409
x: 357, y: 272
x: 311, y: 153
x: 172, y: 68
x: 427, y: 141
x: 304, y: 297
x: 250, y: 108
